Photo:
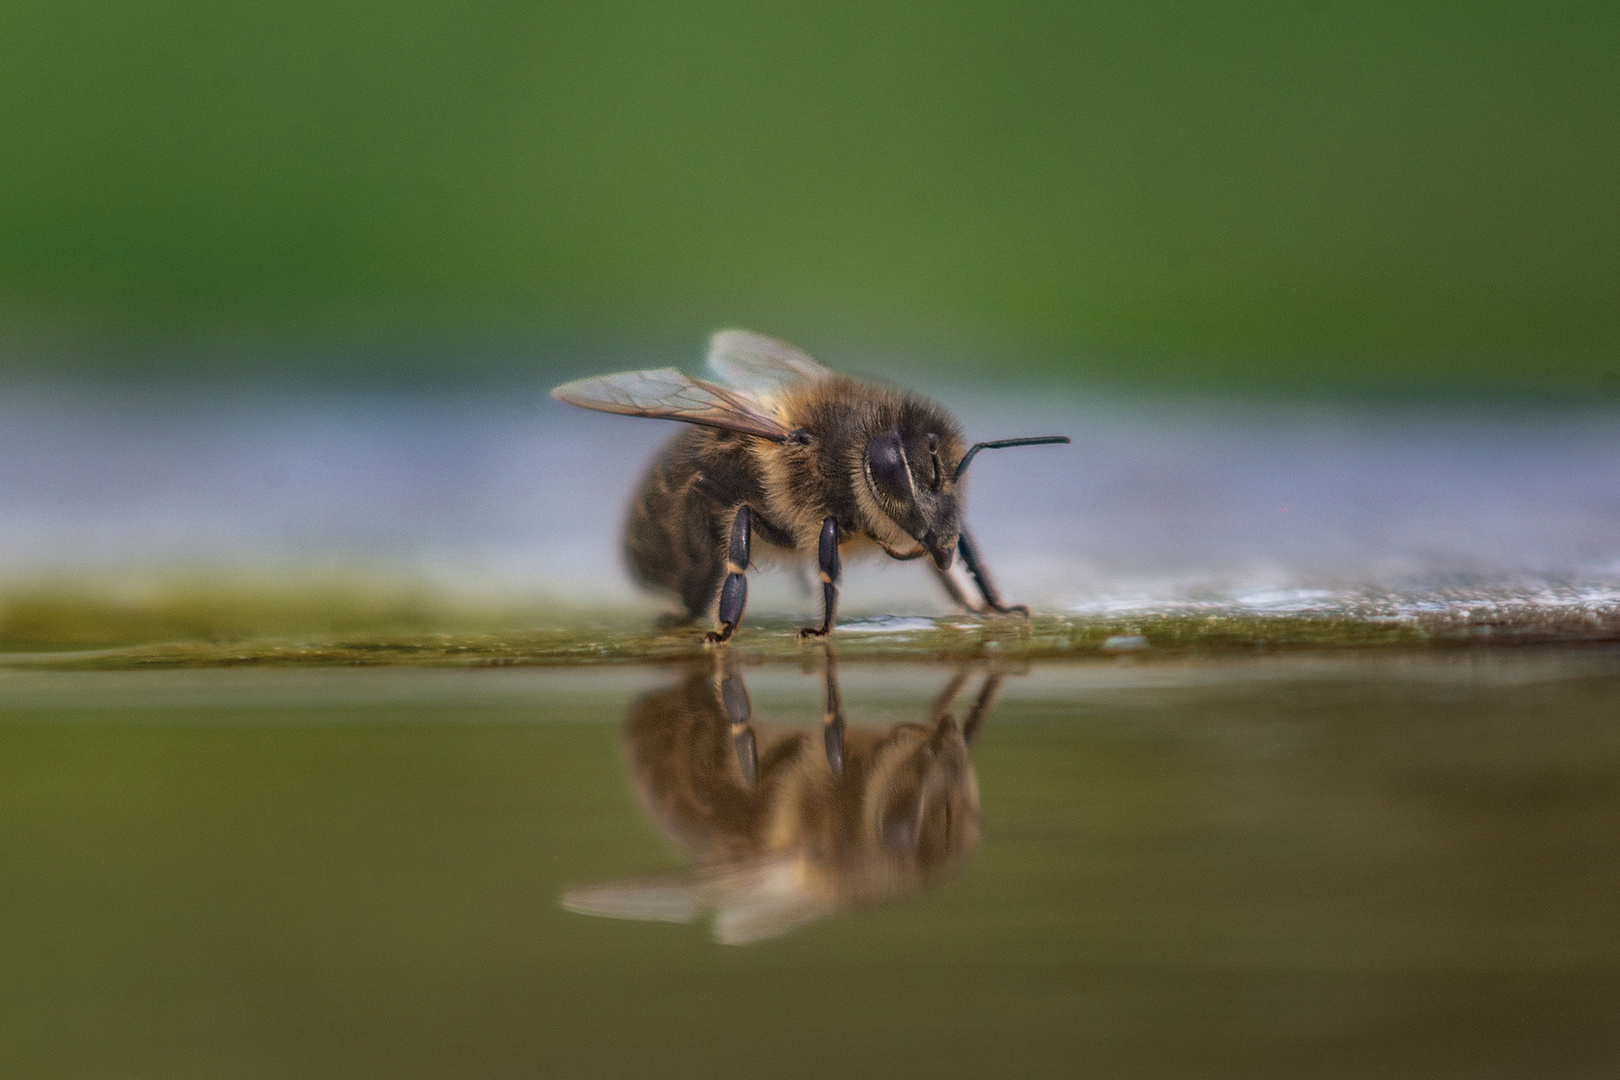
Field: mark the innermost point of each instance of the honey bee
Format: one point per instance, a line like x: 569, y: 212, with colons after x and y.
x: 794, y: 456
x: 783, y: 835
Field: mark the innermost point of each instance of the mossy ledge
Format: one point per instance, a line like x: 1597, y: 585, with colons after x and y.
x: 1044, y: 637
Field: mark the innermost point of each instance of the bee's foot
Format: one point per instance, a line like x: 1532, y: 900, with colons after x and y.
x: 808, y: 632
x: 717, y: 637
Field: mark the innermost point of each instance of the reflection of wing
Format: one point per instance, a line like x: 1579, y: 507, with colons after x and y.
x: 756, y: 901
x: 669, y: 395
x: 766, y: 901
x: 763, y: 364
x: 673, y: 898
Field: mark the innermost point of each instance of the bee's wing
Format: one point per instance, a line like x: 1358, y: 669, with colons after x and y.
x: 759, y: 363
x: 668, y: 395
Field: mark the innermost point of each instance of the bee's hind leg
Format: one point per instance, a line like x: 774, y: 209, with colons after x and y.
x: 827, y: 561
x: 734, y: 590
x: 981, y: 577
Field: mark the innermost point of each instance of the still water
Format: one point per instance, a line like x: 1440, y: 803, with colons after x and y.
x: 1348, y: 866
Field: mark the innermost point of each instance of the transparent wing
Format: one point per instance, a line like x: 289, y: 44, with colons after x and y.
x: 668, y: 395
x: 759, y: 363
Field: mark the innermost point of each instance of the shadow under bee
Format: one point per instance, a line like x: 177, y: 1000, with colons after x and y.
x: 782, y: 831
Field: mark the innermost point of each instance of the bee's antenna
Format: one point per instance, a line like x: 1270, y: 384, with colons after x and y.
x: 999, y: 443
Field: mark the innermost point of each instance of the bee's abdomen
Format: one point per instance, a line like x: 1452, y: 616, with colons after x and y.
x: 674, y: 537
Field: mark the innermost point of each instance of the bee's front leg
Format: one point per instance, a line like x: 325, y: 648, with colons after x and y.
x: 953, y: 590
x: 981, y: 577
x: 734, y: 590
x: 827, y: 560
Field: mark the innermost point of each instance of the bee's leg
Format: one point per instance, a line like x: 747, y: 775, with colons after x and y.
x: 981, y: 708
x: 734, y: 697
x: 981, y: 577
x: 949, y: 584
x: 827, y: 560
x: 734, y: 590
x: 832, y: 721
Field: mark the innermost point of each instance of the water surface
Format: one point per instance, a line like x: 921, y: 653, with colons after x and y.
x: 1344, y: 866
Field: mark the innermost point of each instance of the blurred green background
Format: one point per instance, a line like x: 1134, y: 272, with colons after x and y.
x: 1385, y: 196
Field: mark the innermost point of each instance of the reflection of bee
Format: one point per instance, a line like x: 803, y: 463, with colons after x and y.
x: 790, y: 453
x: 783, y: 835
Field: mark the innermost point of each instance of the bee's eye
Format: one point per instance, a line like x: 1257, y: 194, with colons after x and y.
x: 886, y: 465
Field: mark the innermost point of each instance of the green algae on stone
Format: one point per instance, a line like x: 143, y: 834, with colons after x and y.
x: 50, y: 615
x: 1046, y: 637
x: 354, y: 623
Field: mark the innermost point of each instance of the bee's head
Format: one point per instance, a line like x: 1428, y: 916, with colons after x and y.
x: 910, y: 469
x: 914, y: 464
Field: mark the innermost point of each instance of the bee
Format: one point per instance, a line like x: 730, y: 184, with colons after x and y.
x: 789, y: 454
x: 780, y: 833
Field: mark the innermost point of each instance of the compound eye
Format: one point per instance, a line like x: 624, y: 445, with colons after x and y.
x: 886, y: 464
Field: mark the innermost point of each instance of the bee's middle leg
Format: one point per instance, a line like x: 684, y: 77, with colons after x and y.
x: 734, y: 590
x: 827, y: 560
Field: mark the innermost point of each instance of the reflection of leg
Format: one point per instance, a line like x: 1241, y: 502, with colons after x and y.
x: 832, y: 720
x: 981, y: 576
x: 957, y: 596
x: 734, y: 698
x: 981, y: 708
x: 734, y: 591
x: 827, y: 560
x: 943, y: 699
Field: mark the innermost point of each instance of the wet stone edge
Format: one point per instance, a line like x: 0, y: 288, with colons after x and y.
x: 1042, y: 638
